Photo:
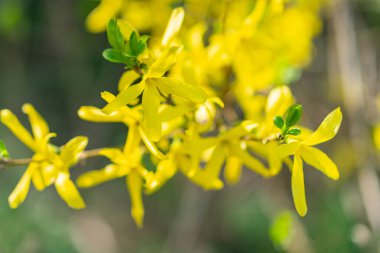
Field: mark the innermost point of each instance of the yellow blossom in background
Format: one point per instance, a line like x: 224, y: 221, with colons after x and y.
x: 47, y: 166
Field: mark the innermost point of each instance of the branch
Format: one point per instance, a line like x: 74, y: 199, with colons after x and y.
x: 10, y: 162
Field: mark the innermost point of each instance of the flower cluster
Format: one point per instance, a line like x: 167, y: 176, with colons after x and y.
x: 208, y: 97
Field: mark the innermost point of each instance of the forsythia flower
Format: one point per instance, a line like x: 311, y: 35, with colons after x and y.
x: 124, y: 163
x: 46, y: 166
x: 303, y: 150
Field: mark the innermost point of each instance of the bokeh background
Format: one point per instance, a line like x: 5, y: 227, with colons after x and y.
x: 48, y: 58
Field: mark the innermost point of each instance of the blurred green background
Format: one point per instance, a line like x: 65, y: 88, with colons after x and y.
x: 47, y: 58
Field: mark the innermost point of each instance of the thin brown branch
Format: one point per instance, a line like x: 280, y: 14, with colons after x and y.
x: 10, y: 162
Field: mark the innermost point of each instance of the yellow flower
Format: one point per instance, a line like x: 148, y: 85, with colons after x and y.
x: 124, y: 163
x: 131, y: 117
x: 228, y: 147
x: 47, y: 166
x: 152, y: 84
x: 303, y: 150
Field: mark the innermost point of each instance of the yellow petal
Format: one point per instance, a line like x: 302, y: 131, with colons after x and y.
x: 179, y: 88
x: 125, y: 28
x: 38, y: 124
x: 233, y: 169
x: 319, y: 160
x: 107, y: 96
x: 127, y: 79
x: 173, y: 26
x: 114, y: 154
x: 279, y: 100
x: 376, y: 136
x: 285, y: 150
x: 98, y: 19
x: 134, y: 183
x: 240, y: 130
x: 166, y: 169
x: 327, y: 130
x: 94, y: 114
x: 152, y: 121
x: 150, y: 145
x: 168, y: 112
x: 298, y: 186
x: 11, y: 121
x: 68, y: 192
x: 249, y: 161
x: 21, y: 190
x: 95, y: 177
x: 38, y: 179
x: 208, y: 178
x: 124, y: 97
x: 71, y: 151
x: 164, y: 62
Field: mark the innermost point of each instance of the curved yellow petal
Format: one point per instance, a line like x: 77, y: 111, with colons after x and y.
x: 94, y: 114
x: 164, y: 62
x: 95, y: 177
x: 114, y: 154
x: 134, y: 183
x: 38, y: 124
x: 166, y: 169
x: 248, y: 160
x: 233, y: 169
x: 68, y: 192
x: 127, y: 79
x: 98, y: 19
x: 173, y: 26
x: 319, y: 160
x: 11, y: 121
x: 38, y: 179
x: 71, y: 151
x: 208, y: 178
x: 152, y: 121
x: 21, y: 190
x: 180, y: 89
x: 327, y: 130
x: 124, y: 97
x: 298, y: 186
x: 150, y: 145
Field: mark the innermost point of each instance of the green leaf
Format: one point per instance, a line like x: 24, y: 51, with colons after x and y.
x: 3, y: 150
x: 114, y: 35
x: 141, y: 47
x: 278, y: 122
x: 293, y: 115
x: 294, y: 131
x: 113, y: 55
x: 133, y: 43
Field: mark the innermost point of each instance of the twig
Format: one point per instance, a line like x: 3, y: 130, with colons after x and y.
x: 10, y: 162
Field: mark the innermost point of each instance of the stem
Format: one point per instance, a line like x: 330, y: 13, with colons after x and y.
x: 9, y: 162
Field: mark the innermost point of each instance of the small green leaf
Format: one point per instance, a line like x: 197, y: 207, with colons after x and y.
x: 3, y: 150
x: 133, y: 43
x: 278, y: 122
x: 114, y: 35
x: 293, y: 115
x: 294, y: 131
x: 113, y: 55
x: 141, y: 47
